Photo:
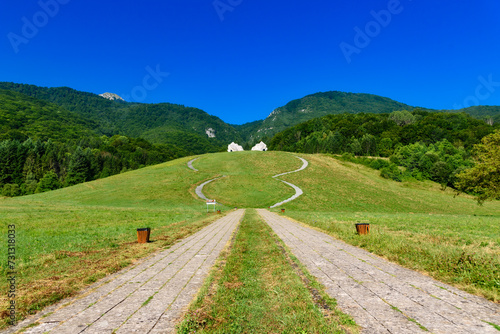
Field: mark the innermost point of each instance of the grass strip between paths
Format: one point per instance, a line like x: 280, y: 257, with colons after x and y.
x: 257, y: 287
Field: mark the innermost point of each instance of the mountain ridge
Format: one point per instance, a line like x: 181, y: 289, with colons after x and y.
x: 162, y: 123
x: 335, y: 102
x: 167, y: 123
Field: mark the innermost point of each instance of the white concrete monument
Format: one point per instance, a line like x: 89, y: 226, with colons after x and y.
x: 233, y: 147
x: 260, y: 147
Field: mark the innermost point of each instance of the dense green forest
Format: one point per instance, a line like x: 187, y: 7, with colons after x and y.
x: 427, y: 145
x: 22, y: 116
x: 331, y: 103
x: 163, y: 123
x: 44, y: 132
x: 37, y: 166
x: 44, y: 146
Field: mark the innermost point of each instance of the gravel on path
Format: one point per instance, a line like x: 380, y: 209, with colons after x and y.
x: 149, y: 297
x: 381, y: 296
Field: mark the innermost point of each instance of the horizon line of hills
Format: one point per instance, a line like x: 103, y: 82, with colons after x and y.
x: 166, y: 123
x: 54, y: 137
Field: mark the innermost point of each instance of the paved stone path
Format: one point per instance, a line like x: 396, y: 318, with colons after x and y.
x: 190, y: 164
x: 149, y: 297
x: 298, y: 191
x: 382, y: 296
x: 199, y: 189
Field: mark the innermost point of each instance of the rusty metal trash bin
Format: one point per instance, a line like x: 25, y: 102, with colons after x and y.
x: 363, y: 228
x: 143, y: 235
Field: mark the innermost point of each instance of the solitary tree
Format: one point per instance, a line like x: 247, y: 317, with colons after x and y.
x: 483, y: 179
x: 402, y: 117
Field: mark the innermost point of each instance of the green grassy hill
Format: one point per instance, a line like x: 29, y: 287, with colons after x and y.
x: 328, y: 184
x: 68, y: 238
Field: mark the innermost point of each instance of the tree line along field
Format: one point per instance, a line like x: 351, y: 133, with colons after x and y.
x: 71, y: 237
x: 420, y: 145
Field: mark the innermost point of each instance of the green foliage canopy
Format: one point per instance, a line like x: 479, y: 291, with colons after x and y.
x: 484, y: 178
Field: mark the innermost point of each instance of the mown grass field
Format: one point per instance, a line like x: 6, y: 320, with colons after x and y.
x: 69, y: 238
x: 248, y: 182
x: 255, y: 289
x: 414, y: 224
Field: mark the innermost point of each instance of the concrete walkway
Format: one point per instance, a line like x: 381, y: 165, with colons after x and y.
x: 381, y: 296
x: 149, y: 297
x: 298, y: 191
x: 199, y: 189
x: 190, y: 164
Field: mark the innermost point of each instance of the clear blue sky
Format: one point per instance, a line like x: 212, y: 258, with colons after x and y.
x: 240, y: 59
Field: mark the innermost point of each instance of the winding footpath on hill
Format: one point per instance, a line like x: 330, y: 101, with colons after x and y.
x: 381, y: 296
x: 199, y: 189
x: 298, y: 191
x: 190, y: 164
x: 148, y: 297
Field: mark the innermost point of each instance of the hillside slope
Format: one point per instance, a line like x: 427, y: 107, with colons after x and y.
x: 318, y: 105
x: 22, y: 116
x: 490, y: 114
x: 79, y: 234
x: 334, y: 102
x: 328, y: 185
x: 163, y: 123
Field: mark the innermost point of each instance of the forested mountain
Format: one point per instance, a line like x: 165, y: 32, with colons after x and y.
x: 429, y: 145
x: 190, y: 129
x: 318, y: 105
x: 43, y: 147
x: 334, y: 102
x: 489, y: 114
x: 54, y: 137
x: 169, y: 123
x: 22, y: 117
